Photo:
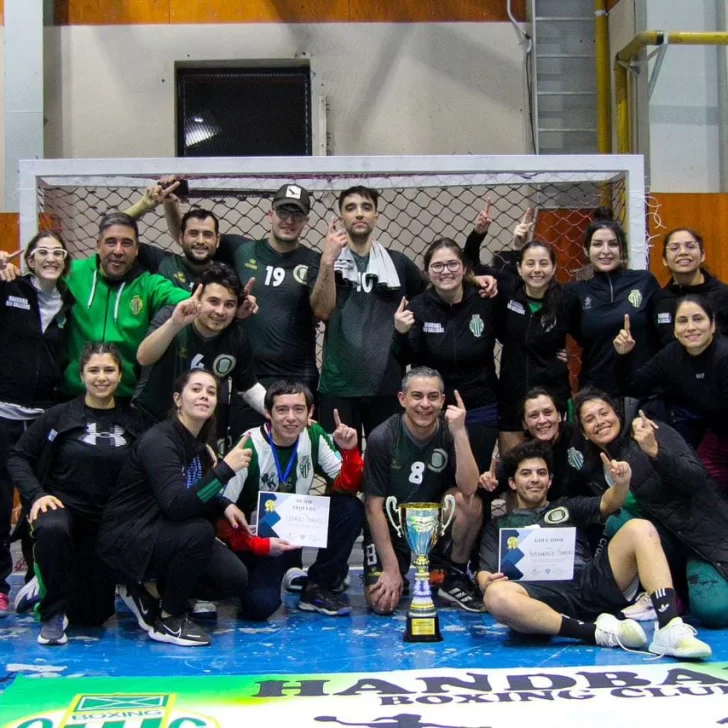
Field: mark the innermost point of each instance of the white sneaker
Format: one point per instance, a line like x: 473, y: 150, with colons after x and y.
x: 294, y: 579
x: 624, y: 633
x: 28, y: 596
x: 678, y: 639
x: 203, y: 610
x: 642, y: 610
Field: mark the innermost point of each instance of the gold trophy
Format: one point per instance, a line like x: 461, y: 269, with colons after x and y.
x: 422, y: 526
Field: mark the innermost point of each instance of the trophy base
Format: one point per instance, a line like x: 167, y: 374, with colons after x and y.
x: 422, y: 629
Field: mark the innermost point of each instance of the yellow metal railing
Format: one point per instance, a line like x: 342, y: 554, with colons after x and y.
x: 628, y: 54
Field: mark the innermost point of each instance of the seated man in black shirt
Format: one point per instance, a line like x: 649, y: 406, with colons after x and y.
x: 201, y: 332
x: 419, y: 456
x: 601, y: 585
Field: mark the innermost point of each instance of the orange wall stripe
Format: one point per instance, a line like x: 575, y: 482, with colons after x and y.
x: 129, y: 12
x: 9, y: 231
x: 706, y: 213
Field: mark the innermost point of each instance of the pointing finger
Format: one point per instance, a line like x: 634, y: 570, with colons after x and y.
x: 527, y: 216
x: 197, y: 295
x: 459, y: 400
x: 171, y: 188
x: 493, y: 465
x: 402, y: 305
x: 605, y: 460
x: 15, y: 254
x: 487, y: 206
x: 337, y: 419
x: 626, y: 322
x: 249, y: 287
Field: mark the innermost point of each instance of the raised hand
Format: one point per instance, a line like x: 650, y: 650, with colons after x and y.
x: 403, y: 319
x: 344, y: 436
x: 8, y: 271
x: 619, y: 471
x: 187, y: 311
x: 523, y: 232
x: 160, y: 192
x: 249, y: 306
x: 43, y: 504
x: 336, y: 241
x: 484, y: 220
x: 643, y: 433
x: 623, y: 342
x: 455, y: 415
x: 236, y: 518
x: 488, y: 480
x: 239, y: 457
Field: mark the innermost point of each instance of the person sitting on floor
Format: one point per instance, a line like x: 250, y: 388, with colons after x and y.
x: 601, y: 585
x: 287, y: 454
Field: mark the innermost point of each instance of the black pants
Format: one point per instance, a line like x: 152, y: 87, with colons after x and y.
x: 73, y: 580
x: 10, y: 432
x: 189, y: 562
x: 357, y: 412
x: 263, y: 597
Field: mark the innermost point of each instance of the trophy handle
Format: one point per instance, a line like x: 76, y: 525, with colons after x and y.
x: 390, y: 507
x: 449, y: 502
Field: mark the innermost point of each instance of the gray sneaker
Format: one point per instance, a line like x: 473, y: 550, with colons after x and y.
x: 53, y: 631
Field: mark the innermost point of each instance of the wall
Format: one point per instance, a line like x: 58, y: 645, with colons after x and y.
x: 393, y: 88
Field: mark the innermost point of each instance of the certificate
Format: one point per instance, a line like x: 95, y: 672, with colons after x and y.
x: 302, y: 520
x: 537, y: 554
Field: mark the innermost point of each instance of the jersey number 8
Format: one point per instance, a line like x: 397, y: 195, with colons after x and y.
x: 417, y: 473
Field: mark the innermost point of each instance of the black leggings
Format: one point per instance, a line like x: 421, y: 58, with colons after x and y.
x: 189, y: 562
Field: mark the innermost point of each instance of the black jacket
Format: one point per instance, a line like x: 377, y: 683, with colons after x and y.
x: 667, y: 298
x: 673, y: 489
x: 596, y: 314
x: 32, y: 458
x: 698, y: 384
x: 158, y: 482
x: 456, y: 339
x: 30, y: 359
x: 530, y: 345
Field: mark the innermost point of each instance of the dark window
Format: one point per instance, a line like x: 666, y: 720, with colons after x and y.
x: 241, y: 112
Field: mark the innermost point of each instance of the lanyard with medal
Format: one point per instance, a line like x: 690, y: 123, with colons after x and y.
x: 282, y: 476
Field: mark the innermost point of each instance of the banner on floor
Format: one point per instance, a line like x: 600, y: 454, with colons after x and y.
x: 597, y: 696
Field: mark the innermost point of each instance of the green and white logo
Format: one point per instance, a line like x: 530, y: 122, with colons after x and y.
x: 476, y: 325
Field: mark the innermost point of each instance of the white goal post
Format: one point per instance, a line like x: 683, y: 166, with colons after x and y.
x: 423, y: 197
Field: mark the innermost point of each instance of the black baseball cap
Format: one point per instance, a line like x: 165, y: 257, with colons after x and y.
x: 294, y: 196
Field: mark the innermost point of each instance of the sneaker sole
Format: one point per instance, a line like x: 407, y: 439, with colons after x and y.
x: 132, y: 607
x: 684, y: 655
x: 172, y: 640
x: 53, y: 643
x: 308, y: 607
x: 465, y: 607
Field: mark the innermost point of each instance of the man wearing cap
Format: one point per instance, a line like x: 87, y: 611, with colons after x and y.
x: 283, y: 333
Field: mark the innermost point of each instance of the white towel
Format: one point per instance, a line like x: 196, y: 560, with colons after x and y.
x: 380, y: 265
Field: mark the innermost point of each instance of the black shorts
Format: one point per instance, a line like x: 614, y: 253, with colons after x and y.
x: 510, y: 416
x: 594, y: 590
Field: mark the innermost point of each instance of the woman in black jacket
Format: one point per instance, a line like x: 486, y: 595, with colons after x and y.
x: 596, y: 307
x: 33, y: 311
x: 158, y: 524
x: 691, y: 373
x: 531, y: 324
x: 65, y: 467
x: 670, y: 488
x: 451, y: 328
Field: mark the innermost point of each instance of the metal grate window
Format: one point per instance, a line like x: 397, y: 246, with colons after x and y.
x: 240, y: 112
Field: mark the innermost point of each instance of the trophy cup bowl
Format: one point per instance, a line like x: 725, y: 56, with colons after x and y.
x: 421, y: 524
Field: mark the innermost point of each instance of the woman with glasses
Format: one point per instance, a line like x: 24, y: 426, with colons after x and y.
x: 451, y: 328
x: 33, y: 311
x: 684, y: 254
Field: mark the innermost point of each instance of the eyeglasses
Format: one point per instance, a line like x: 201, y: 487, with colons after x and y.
x: 691, y: 246
x: 57, y: 253
x: 283, y: 215
x: 452, y: 265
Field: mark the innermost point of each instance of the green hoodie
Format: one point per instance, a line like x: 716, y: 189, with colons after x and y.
x: 117, y: 312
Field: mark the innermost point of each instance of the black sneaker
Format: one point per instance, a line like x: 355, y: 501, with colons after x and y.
x: 179, y: 630
x: 458, y: 589
x: 53, y: 631
x: 140, y: 603
x: 316, y: 598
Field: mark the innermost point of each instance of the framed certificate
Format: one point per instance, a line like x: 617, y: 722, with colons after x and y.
x: 302, y: 520
x: 537, y: 554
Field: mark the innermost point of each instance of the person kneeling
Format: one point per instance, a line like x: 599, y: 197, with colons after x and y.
x: 601, y: 585
x: 287, y: 454
x: 158, y: 523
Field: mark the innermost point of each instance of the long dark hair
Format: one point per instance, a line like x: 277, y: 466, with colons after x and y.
x: 552, y: 296
x: 33, y: 244
x: 207, y: 431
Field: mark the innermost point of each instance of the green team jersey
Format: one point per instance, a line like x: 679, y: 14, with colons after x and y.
x: 283, y: 331
x: 358, y: 354
x: 411, y: 470
x: 313, y: 454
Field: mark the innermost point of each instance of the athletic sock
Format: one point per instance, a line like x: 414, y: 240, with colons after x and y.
x: 664, y: 602
x: 585, y: 631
